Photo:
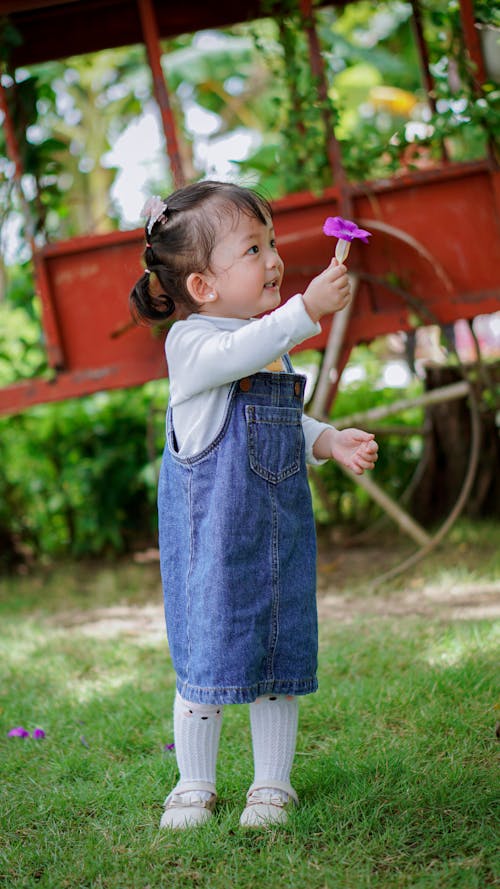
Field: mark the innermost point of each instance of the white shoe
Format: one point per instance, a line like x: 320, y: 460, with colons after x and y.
x: 268, y: 805
x: 189, y: 806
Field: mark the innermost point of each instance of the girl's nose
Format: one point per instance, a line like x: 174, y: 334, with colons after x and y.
x: 273, y: 259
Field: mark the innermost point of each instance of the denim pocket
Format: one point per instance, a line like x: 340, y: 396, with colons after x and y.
x: 275, y: 441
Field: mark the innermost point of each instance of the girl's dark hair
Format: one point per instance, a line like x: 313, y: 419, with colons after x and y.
x: 181, y: 241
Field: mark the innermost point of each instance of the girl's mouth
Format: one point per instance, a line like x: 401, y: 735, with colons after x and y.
x: 271, y: 285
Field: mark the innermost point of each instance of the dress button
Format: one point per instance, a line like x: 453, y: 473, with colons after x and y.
x: 297, y: 388
x: 245, y: 384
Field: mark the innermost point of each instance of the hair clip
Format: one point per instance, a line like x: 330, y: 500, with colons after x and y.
x: 154, y: 210
x: 147, y: 271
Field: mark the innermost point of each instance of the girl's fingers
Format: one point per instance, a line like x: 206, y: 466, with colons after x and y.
x: 364, y: 458
x: 361, y: 466
x: 335, y: 271
x: 365, y: 438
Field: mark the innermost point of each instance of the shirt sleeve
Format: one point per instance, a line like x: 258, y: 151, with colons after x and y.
x: 201, y: 356
x: 312, y: 430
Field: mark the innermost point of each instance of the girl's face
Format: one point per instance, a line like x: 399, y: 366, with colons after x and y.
x: 246, y: 270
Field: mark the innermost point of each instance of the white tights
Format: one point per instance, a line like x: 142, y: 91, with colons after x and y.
x: 196, y: 735
x: 197, y: 727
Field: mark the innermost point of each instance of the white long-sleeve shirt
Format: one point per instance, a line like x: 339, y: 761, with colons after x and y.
x: 206, y: 354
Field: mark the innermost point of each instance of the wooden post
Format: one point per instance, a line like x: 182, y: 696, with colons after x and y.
x: 328, y: 375
x: 451, y: 392
x: 418, y: 30
x: 53, y: 339
x: 402, y: 519
x: 340, y: 320
x: 15, y: 156
x: 332, y: 145
x: 472, y: 40
x: 152, y: 43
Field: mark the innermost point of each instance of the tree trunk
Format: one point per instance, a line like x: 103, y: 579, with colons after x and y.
x: 446, y: 453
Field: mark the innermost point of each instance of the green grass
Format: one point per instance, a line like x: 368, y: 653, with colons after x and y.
x: 396, y: 767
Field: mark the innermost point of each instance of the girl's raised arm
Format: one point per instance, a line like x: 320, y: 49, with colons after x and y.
x: 210, y: 357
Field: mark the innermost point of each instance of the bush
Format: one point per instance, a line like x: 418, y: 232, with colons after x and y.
x: 79, y: 477
x: 337, y: 499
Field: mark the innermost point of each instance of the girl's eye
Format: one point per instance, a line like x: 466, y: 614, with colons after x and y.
x: 253, y: 249
x: 273, y: 243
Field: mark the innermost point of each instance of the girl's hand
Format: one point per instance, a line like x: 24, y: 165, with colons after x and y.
x: 328, y: 292
x: 353, y: 448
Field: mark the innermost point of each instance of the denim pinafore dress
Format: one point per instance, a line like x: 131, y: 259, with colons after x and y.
x: 238, y: 550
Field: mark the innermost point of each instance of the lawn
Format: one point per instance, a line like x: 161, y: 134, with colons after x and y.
x: 397, y: 759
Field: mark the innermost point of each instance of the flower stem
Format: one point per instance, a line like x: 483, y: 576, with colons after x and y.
x: 342, y: 250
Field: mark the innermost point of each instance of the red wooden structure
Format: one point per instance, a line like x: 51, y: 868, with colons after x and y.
x: 436, y: 232
x: 420, y: 220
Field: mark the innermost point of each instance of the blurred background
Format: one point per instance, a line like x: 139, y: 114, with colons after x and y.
x: 78, y: 476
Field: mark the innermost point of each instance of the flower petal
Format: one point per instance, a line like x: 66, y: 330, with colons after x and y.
x: 363, y: 235
x: 18, y: 732
x: 334, y: 226
x: 39, y: 733
x: 338, y: 227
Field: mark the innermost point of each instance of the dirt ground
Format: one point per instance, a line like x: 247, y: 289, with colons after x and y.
x: 340, y: 600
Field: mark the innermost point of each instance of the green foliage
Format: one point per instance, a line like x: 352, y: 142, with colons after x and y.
x: 29, y: 98
x: 66, y: 116
x: 293, y: 153
x: 463, y: 119
x: 22, y: 353
x: 10, y: 38
x: 366, y: 46
x: 79, y: 477
x: 369, y: 47
x: 202, y: 66
x: 256, y: 77
x: 337, y: 499
x: 488, y: 12
x: 220, y: 73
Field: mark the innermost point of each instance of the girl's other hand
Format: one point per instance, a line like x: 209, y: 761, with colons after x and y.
x: 328, y: 292
x: 353, y: 448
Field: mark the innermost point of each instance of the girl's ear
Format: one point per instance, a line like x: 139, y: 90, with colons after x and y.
x: 199, y: 288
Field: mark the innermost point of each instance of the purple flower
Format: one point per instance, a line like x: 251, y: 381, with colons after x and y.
x: 39, y: 733
x: 338, y: 227
x: 168, y: 747
x: 18, y: 732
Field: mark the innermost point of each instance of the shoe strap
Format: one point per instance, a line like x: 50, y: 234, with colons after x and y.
x: 174, y: 801
x: 190, y: 787
x: 275, y: 785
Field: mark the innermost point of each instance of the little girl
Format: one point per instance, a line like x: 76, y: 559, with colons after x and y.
x: 236, y: 528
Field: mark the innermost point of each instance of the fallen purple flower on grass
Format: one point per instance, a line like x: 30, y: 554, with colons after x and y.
x: 169, y: 747
x: 39, y: 733
x: 346, y: 231
x: 18, y: 732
